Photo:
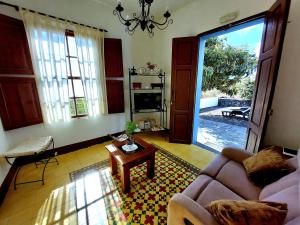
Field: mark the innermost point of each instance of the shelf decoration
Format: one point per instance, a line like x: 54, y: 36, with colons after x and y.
x: 153, y: 69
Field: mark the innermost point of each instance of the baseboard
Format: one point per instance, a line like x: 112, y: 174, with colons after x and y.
x: 60, y: 151
x: 84, y: 144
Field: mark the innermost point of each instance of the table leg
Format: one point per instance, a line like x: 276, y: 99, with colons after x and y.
x: 125, y: 179
x: 113, y: 165
x: 151, y: 167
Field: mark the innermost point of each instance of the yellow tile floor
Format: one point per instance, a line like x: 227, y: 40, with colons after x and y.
x: 54, y: 202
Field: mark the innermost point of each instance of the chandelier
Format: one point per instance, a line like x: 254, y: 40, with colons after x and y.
x: 144, y: 19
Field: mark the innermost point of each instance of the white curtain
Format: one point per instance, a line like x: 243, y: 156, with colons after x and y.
x: 48, y: 49
x: 89, y: 43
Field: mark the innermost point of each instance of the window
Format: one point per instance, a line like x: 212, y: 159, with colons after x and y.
x: 78, y: 103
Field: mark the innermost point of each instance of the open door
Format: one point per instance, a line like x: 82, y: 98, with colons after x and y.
x: 268, y: 65
x: 184, y: 68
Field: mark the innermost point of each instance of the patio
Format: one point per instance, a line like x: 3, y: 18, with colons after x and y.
x: 217, y: 131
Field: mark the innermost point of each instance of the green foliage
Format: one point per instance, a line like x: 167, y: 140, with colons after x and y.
x: 130, y: 127
x: 81, y: 106
x: 225, y: 66
x: 245, y: 88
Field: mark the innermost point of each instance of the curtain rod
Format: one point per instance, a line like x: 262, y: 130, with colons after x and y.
x: 59, y: 18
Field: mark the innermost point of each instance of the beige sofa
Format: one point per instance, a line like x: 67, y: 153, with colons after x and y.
x: 225, y: 178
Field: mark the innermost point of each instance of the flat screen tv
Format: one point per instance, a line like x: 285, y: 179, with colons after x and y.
x: 147, y: 101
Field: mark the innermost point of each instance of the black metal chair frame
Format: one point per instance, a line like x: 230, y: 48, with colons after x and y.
x: 37, y: 161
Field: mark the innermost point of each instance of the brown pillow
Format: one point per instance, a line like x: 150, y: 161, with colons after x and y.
x: 267, y: 166
x: 230, y: 212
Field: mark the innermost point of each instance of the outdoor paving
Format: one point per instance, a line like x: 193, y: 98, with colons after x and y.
x: 218, y: 132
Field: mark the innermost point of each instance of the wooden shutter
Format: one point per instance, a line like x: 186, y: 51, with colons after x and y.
x: 113, y: 57
x: 114, y: 75
x: 19, y: 102
x: 14, y: 50
x: 268, y: 65
x: 184, y: 67
x: 116, y: 95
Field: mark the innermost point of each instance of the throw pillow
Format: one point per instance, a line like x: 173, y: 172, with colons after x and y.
x: 230, y: 212
x: 267, y: 166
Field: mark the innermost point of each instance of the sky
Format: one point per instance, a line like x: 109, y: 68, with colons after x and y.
x: 249, y: 38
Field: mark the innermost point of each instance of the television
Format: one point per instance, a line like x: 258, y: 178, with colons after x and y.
x: 144, y: 101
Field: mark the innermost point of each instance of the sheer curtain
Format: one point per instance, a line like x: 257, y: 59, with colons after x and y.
x: 89, y: 43
x: 48, y: 49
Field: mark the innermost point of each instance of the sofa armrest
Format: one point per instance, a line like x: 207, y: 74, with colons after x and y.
x: 236, y: 154
x: 182, y: 207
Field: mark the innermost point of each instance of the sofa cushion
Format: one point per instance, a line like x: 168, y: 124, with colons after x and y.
x: 215, y: 166
x: 233, y: 176
x: 295, y: 221
x: 283, y: 183
x: 197, y: 186
x: 216, y: 191
x: 267, y: 166
x: 229, y: 212
x: 290, y: 196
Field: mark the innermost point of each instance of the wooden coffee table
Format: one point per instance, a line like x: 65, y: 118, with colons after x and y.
x: 129, y: 160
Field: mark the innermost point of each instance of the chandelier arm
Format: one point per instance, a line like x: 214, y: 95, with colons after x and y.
x: 160, y: 24
x: 120, y: 19
x: 151, y: 33
x: 135, y: 26
x: 164, y: 26
x: 119, y: 14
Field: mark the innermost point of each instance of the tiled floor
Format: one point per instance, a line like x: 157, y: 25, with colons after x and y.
x: 53, y: 203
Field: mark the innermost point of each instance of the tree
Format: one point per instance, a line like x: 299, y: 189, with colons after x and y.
x: 245, y: 88
x: 225, y: 66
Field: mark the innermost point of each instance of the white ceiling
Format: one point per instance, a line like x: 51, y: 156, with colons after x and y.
x: 158, y: 7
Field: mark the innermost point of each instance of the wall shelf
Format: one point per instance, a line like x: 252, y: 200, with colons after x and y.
x: 147, y: 75
x: 162, y: 80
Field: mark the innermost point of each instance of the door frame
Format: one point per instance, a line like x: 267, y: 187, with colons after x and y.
x: 206, y: 35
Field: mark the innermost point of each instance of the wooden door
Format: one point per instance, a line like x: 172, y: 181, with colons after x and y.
x: 184, y: 67
x: 268, y: 65
x: 19, y: 102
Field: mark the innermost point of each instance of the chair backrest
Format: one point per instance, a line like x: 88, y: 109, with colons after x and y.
x: 286, y: 190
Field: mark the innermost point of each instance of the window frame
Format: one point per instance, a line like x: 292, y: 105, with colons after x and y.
x: 70, y: 33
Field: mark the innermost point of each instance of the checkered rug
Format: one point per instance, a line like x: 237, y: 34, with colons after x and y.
x: 99, y: 198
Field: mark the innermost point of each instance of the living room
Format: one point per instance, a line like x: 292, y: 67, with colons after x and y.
x: 81, y: 142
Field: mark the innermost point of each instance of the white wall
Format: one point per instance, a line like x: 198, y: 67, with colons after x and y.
x: 91, y: 13
x: 284, y: 126
x: 208, y: 102
x: 195, y: 18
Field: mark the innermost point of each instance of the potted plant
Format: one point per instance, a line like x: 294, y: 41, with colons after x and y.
x: 130, y: 128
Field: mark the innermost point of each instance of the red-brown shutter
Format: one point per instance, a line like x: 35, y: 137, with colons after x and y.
x: 114, y: 75
x: 113, y: 57
x: 14, y: 51
x: 19, y: 102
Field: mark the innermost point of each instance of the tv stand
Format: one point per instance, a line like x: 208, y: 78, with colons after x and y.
x: 159, y: 81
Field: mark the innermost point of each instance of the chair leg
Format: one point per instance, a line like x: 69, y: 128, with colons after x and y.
x: 43, y: 175
x: 15, y: 180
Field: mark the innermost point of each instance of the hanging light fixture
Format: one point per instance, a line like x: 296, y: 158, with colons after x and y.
x: 144, y: 20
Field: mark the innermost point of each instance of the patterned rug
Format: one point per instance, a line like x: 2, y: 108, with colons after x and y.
x: 99, y: 198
